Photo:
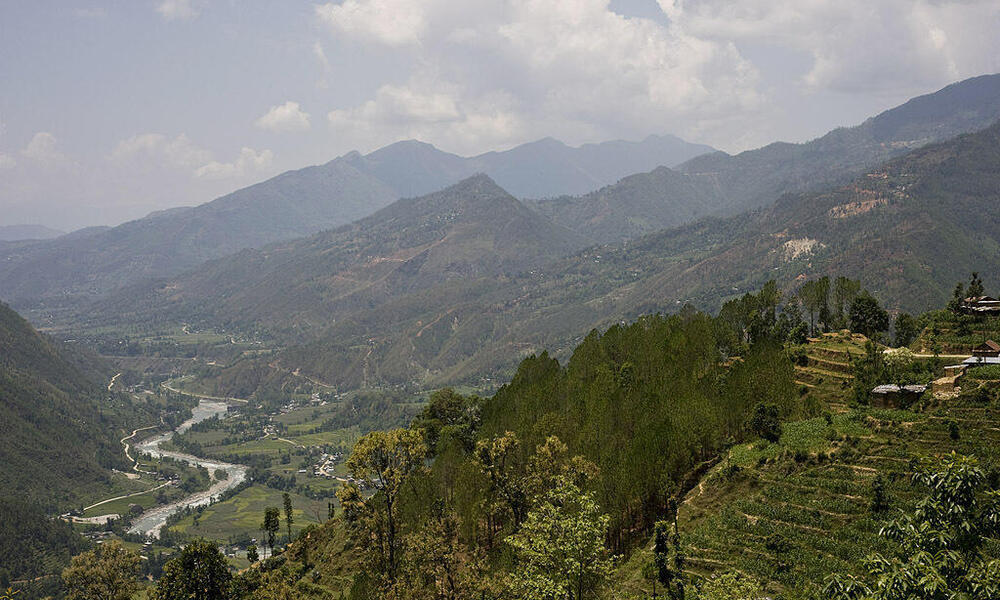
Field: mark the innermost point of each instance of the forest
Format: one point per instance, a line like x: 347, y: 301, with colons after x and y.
x: 576, y: 480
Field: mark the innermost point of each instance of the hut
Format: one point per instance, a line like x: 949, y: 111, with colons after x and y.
x: 988, y: 349
x: 894, y: 396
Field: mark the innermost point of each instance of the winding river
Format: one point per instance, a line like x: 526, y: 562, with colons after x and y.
x: 151, y: 521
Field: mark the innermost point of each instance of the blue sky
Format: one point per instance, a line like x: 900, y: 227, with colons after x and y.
x: 109, y: 110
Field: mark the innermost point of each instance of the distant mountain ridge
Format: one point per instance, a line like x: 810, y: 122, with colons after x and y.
x: 15, y: 233
x: 470, y: 230
x: 299, y: 203
x: 721, y: 184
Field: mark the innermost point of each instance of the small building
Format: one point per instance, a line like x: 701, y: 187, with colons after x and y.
x: 981, y: 305
x: 894, y: 396
x: 988, y: 349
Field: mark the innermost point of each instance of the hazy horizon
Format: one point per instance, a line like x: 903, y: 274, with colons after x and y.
x: 113, y: 111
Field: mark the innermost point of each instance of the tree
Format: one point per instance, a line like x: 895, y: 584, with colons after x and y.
x: 252, y: 555
x: 271, y: 525
x: 437, y: 565
x: 448, y: 409
x: 815, y: 297
x: 199, y: 572
x: 880, y: 498
x: 845, y: 290
x: 560, y: 547
x: 668, y: 557
x: 385, y: 459
x: 898, y: 363
x: 108, y: 572
x: 975, y: 288
x: 869, y: 370
x: 497, y: 459
x: 957, y: 299
x: 764, y: 422
x: 867, y: 317
x: 940, y: 544
x: 287, y: 499
x: 907, y: 329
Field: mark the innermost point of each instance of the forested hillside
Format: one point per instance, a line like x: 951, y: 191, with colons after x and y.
x: 59, y: 425
x: 626, y: 424
x: 60, y: 428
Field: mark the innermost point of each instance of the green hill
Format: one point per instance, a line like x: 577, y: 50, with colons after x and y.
x: 59, y: 425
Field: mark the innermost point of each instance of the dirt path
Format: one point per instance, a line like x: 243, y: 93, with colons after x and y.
x: 153, y: 489
x: 205, y: 396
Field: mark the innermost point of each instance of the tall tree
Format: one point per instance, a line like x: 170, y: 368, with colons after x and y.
x: 385, y: 459
x: 815, y: 297
x: 271, y: 525
x: 845, y: 290
x: 560, y: 547
x: 108, y: 572
x: 287, y: 499
x: 976, y: 288
x: 199, y: 572
x: 906, y: 329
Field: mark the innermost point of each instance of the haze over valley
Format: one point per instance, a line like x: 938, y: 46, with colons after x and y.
x: 528, y: 301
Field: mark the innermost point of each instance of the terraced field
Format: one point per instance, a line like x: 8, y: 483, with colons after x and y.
x: 827, y: 374
x: 792, y: 512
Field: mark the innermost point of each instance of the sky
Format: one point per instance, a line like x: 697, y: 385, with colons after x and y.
x: 111, y: 110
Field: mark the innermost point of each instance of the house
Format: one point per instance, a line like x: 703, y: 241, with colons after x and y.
x: 987, y: 349
x: 894, y: 396
x: 981, y: 305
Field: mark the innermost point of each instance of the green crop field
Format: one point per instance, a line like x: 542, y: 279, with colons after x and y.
x: 242, y: 515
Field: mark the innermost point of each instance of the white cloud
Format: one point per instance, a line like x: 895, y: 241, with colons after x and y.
x: 859, y: 45
x: 43, y: 148
x: 155, y: 150
x: 247, y: 163
x: 492, y: 73
x: 713, y: 70
x: 284, y: 118
x: 7, y: 161
x: 393, y: 22
x: 179, y: 152
x: 177, y: 9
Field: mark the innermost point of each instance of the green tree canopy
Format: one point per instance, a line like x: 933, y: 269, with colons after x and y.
x: 200, y: 572
x: 560, y: 547
x: 867, y: 316
x: 108, y: 572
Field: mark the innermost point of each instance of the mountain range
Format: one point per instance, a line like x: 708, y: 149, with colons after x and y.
x: 400, y: 298
x: 294, y: 204
x: 721, y: 184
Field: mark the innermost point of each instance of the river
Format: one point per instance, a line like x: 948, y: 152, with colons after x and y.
x: 151, y: 521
